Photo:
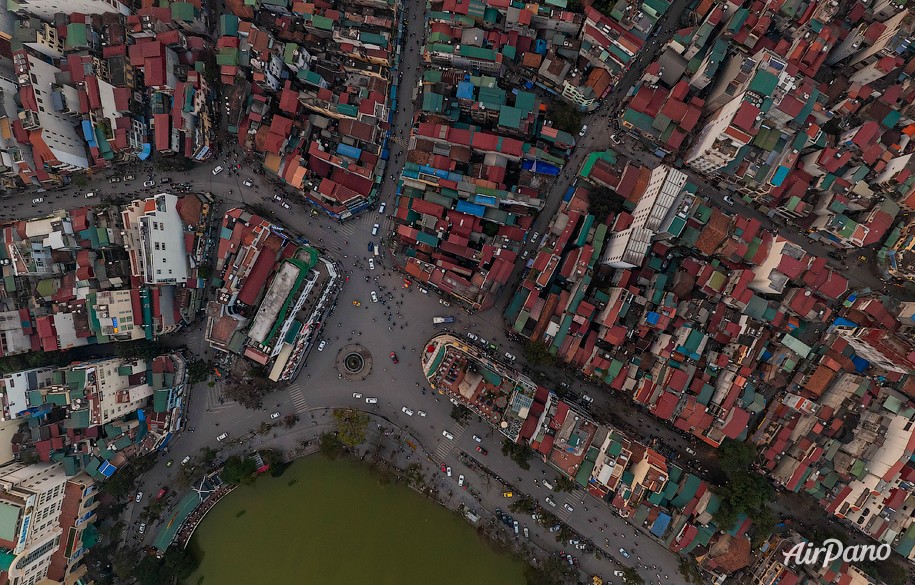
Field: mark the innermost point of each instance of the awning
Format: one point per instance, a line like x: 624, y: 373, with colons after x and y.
x: 147, y: 150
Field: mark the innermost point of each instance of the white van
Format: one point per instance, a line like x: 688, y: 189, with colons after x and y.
x: 90, y: 195
x: 376, y: 251
x: 375, y: 229
x: 547, y: 484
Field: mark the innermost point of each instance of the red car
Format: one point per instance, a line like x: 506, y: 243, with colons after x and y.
x: 482, y: 451
x: 443, y: 468
x: 394, y: 357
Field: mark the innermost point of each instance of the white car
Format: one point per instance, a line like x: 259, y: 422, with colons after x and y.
x: 690, y: 450
x: 583, y: 130
x: 381, y: 207
x: 425, y: 291
x: 550, y: 501
x: 139, y: 496
x: 510, y: 357
x: 477, y: 439
x: 143, y: 528
x: 218, y: 170
x: 322, y: 345
x: 374, y: 297
x: 406, y: 411
x: 38, y: 200
x: 371, y: 264
x: 375, y: 229
x: 448, y: 435
x: 729, y: 200
x: 617, y: 573
x: 614, y: 139
x: 149, y: 183
x: 461, y: 480
x: 275, y: 415
x: 222, y: 437
x: 473, y: 336
x: 247, y: 183
x: 357, y: 395
x: 444, y: 302
x: 568, y: 507
x: 185, y: 460
x: 129, y: 177
x: 624, y: 552
x: 421, y: 412
x: 448, y: 471
x: 371, y: 400
x: 587, y: 398
x: 285, y: 205
x: 534, y: 237
x: 114, y: 180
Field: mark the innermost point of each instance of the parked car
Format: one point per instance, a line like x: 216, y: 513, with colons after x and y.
x: 371, y: 400
x: 583, y: 130
x: 139, y: 496
x: 371, y: 264
x: 374, y: 296
x: 461, y: 480
x: 406, y: 411
x: 218, y: 170
x: 448, y: 471
x: 482, y: 451
x: 555, y: 528
x: 222, y: 437
x: 38, y: 200
x: 114, y: 180
x: 421, y: 413
x: 322, y: 345
x: 477, y: 438
x: 247, y: 183
x: 728, y: 199
x: 550, y: 501
x: 394, y: 357
x: 275, y: 415
x: 510, y: 357
x: 624, y: 552
x: 164, y: 181
x: 448, y: 435
x: 129, y: 177
x: 185, y: 460
x: 357, y: 395
x: 690, y: 450
x: 507, y: 494
x: 472, y: 336
x: 587, y: 398
x: 149, y: 183
x: 90, y: 194
x: 284, y: 205
x: 614, y: 139
x: 143, y: 528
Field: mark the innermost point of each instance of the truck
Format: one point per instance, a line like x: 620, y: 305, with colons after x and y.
x: 441, y: 320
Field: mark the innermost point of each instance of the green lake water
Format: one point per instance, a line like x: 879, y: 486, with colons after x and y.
x: 337, y: 526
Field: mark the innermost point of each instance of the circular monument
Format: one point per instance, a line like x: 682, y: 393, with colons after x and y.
x: 354, y: 362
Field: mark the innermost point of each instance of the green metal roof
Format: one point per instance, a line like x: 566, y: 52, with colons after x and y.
x: 763, y: 83
x: 9, y: 520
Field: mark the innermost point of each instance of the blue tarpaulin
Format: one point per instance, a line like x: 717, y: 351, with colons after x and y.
x: 843, y: 322
x: 470, y: 208
x: 347, y: 150
x: 540, y: 167
x: 465, y: 90
x: 540, y: 47
x: 107, y: 469
x: 147, y: 150
x: 569, y: 192
x: 89, y: 134
x: 486, y: 200
x: 660, y: 525
x: 861, y: 364
x: 653, y: 318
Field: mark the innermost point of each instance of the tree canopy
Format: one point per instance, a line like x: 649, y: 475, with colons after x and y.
x: 538, y: 353
x: 238, y: 470
x: 351, y: 425
x: 602, y: 202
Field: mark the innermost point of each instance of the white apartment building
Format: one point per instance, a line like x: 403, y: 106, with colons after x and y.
x: 30, y: 503
x: 155, y: 240
x: 16, y: 387
x: 718, y: 142
x: 54, y: 118
x: 628, y: 248
x: 46, y: 9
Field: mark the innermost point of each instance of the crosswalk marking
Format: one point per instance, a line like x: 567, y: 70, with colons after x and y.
x: 572, y: 500
x: 298, y: 399
x: 445, y: 446
x: 214, y: 394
